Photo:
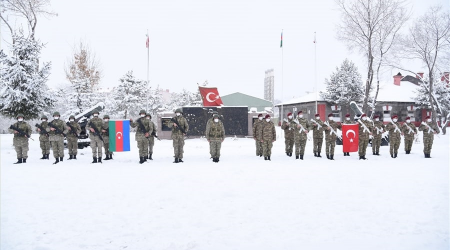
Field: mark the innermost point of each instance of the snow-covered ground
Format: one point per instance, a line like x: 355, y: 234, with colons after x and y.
x: 242, y: 202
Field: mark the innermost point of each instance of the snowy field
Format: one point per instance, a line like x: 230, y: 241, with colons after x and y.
x: 242, y: 202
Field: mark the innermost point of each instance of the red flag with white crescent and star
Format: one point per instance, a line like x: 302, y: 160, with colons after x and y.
x: 210, y: 96
x: 350, y: 135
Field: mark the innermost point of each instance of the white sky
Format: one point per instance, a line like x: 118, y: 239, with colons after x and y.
x: 229, y: 43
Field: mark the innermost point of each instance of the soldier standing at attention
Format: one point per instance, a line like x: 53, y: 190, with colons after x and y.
x: 288, y: 127
x: 57, y: 129
x: 44, y: 142
x: 211, y: 120
x: 151, y: 138
x: 215, y: 134
x: 330, y: 136
x: 179, y: 127
x: 318, y: 129
x: 268, y: 137
x: 300, y: 135
x: 105, y: 135
x: 394, y: 136
x: 377, y: 134
x: 347, y: 121
x: 72, y: 137
x: 409, y: 131
x: 143, y: 131
x: 429, y: 130
x: 257, y: 134
x: 95, y: 126
x: 365, y: 130
x: 22, y: 132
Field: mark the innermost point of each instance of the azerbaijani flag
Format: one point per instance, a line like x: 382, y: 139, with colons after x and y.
x: 281, y: 43
x: 119, y: 135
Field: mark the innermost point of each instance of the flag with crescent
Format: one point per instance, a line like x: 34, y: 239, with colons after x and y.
x: 210, y: 96
x: 350, y: 135
x: 119, y: 135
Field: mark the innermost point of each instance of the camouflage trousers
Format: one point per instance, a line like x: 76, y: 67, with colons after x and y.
x: 408, y: 143
x: 427, y: 144
x: 393, y: 146
x: 72, y: 145
x: 317, y: 147
x: 151, y: 143
x: 96, y: 145
x: 214, y: 148
x: 362, y: 146
x: 21, y: 147
x: 58, y: 148
x: 178, y: 144
x: 259, y: 147
x: 376, y: 143
x: 267, y: 147
x: 142, y: 144
x: 300, y: 144
x: 289, y: 144
x: 330, y: 144
x: 106, y: 144
x: 45, y: 147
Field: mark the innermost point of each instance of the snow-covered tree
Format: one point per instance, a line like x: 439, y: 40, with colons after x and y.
x: 23, y: 87
x: 345, y: 85
x: 155, y: 101
x: 130, y: 96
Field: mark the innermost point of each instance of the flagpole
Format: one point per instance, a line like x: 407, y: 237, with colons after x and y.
x: 148, y: 67
x: 282, y: 108
x: 315, y: 66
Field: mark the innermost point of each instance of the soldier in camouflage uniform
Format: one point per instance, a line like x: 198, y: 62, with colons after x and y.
x: 57, y: 136
x: 20, y: 139
x: 377, y: 134
x: 215, y: 134
x: 331, y: 128
x: 394, y: 136
x: 105, y: 135
x: 151, y: 138
x: 365, y: 131
x: 257, y: 134
x: 429, y: 130
x: 44, y: 142
x: 409, y: 131
x: 268, y: 137
x: 72, y: 137
x: 300, y: 135
x: 318, y: 128
x: 143, y: 131
x: 348, y: 120
x: 95, y: 126
x: 288, y: 127
x: 178, y: 135
x: 211, y: 120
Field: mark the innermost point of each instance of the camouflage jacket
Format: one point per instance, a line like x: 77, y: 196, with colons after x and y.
x: 305, y: 125
x: 317, y: 130
x: 141, y: 129
x: 176, y: 132
x: 409, y: 130
x: 348, y: 122
x: 288, y: 127
x: 106, y: 128
x: 215, y: 131
x: 363, y: 132
x: 43, y: 136
x: 257, y: 130
x: 53, y: 135
x: 97, y: 123
x: 394, y: 133
x: 25, y: 127
x: 427, y: 133
x: 378, y: 128
x: 329, y: 135
x: 268, y: 131
x: 77, y: 128
x: 152, y: 127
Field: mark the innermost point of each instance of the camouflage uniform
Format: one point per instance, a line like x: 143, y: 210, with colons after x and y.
x: 317, y: 136
x: 143, y: 131
x: 300, y: 137
x: 44, y: 142
x: 428, y: 136
x: 257, y: 135
x: 151, y: 138
x: 377, y: 134
x: 21, y: 141
x: 268, y: 137
x: 105, y: 135
x: 288, y: 127
x: 330, y: 138
x: 409, y: 135
x: 96, y: 143
x: 57, y: 139
x: 178, y: 136
x: 215, y: 135
x: 347, y: 122
x: 394, y: 137
x: 72, y: 138
x: 364, y: 137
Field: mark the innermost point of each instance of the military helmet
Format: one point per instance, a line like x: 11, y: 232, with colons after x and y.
x: 95, y: 111
x: 106, y: 117
x: 215, y: 116
x: 44, y: 117
x: 142, y: 112
x: 72, y: 117
x: 56, y: 113
x: 149, y: 115
x: 178, y: 111
x: 19, y: 115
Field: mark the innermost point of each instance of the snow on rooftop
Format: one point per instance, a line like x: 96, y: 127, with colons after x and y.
x: 311, y: 97
x: 393, y: 93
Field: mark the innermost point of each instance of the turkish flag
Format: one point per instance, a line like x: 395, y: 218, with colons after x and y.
x: 350, y: 135
x: 210, y: 96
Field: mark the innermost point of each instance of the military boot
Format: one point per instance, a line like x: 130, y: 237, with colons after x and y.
x: 315, y: 154
x: 301, y: 157
x: 176, y: 160
x: 407, y: 152
x: 395, y: 155
x: 331, y: 157
x: 180, y: 160
x: 70, y: 157
x: 56, y: 160
x: 44, y: 156
x: 107, y: 157
x: 19, y: 161
x: 94, y: 159
x: 110, y: 156
x: 428, y: 156
x: 74, y: 157
x: 265, y: 158
x: 149, y: 156
x: 296, y: 157
x: 268, y: 158
x: 217, y: 159
x: 318, y: 155
x: 99, y: 159
x: 24, y: 160
x: 328, y: 156
x: 61, y: 158
x: 48, y: 156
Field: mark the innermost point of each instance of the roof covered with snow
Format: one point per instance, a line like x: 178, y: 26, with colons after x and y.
x: 311, y: 97
x: 393, y: 93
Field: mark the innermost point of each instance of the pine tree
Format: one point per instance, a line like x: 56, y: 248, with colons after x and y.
x: 23, y: 87
x: 130, y: 96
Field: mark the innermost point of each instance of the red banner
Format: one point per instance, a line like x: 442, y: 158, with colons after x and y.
x: 210, y: 96
x: 350, y: 135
